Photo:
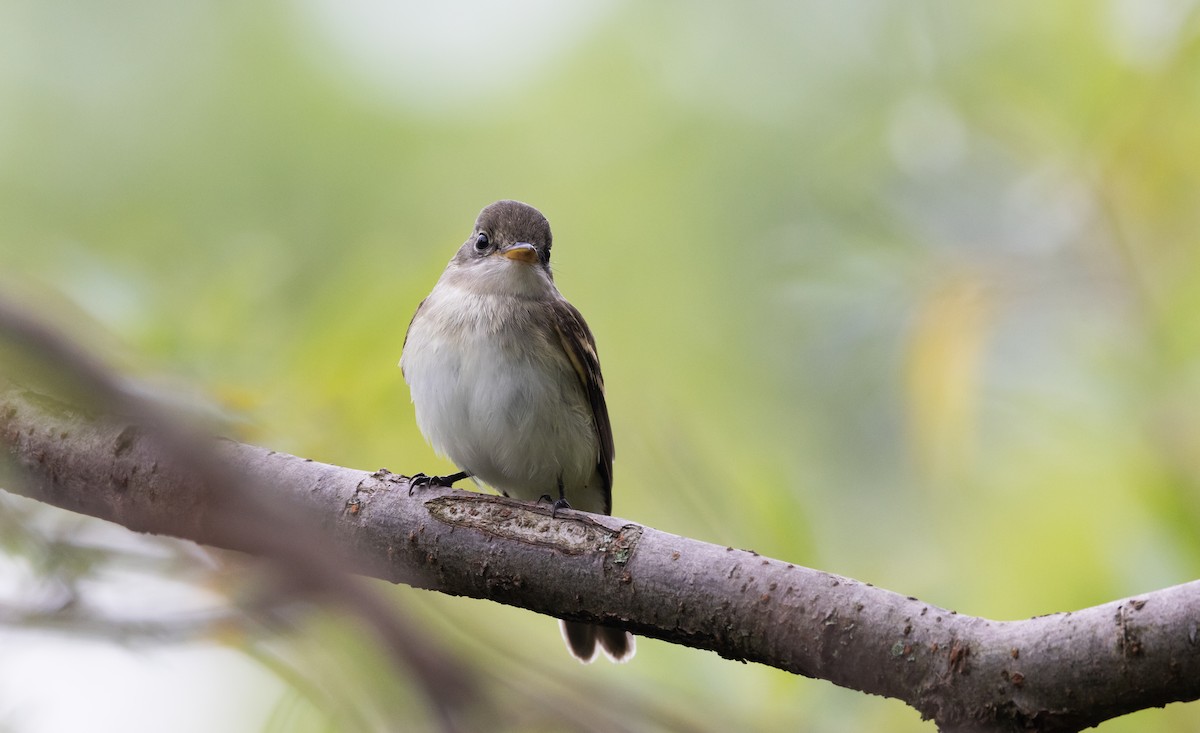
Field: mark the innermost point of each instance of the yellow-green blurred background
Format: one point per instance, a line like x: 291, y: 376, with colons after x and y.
x: 906, y: 292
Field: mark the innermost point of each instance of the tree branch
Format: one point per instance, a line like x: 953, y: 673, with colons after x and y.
x: 1060, y: 672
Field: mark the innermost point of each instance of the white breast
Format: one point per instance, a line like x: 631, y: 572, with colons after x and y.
x: 504, y: 405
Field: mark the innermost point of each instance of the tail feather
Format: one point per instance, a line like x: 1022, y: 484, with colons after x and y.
x: 617, y: 644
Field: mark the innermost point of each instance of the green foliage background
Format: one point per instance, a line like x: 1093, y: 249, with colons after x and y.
x: 906, y: 292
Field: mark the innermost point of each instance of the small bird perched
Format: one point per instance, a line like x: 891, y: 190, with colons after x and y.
x: 506, y: 382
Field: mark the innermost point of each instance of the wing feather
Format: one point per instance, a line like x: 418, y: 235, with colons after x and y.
x: 580, y: 347
x: 407, y: 332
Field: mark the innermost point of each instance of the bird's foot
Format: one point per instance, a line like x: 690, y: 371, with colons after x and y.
x: 421, y: 481
x: 555, y: 504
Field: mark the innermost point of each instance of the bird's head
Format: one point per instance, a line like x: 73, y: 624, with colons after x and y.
x: 508, y: 251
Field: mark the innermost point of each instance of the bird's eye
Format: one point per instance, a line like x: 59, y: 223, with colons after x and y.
x: 481, y: 242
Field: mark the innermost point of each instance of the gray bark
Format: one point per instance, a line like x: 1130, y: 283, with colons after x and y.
x: 1061, y: 672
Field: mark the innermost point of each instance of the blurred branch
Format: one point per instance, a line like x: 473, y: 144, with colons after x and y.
x: 1054, y: 673
x: 1062, y: 672
x: 157, y: 474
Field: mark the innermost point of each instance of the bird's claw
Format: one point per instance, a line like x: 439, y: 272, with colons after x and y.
x: 422, y: 481
x: 418, y: 479
x: 555, y: 504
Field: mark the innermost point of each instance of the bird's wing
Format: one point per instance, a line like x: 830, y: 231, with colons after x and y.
x: 580, y: 347
x: 416, y: 313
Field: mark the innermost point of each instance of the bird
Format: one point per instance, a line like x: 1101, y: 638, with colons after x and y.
x: 505, y: 382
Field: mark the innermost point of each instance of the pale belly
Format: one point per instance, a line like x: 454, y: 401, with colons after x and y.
x: 514, y: 420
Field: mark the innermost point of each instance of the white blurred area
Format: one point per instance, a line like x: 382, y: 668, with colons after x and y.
x: 456, y: 54
x: 117, y: 636
x: 51, y: 684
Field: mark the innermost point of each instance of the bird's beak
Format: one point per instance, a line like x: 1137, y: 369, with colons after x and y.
x: 521, y: 252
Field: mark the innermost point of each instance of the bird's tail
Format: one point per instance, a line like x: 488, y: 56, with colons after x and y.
x: 617, y: 644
